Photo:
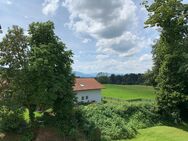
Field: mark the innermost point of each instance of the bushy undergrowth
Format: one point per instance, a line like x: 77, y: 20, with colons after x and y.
x: 11, y: 121
x: 120, y: 121
x: 94, y: 122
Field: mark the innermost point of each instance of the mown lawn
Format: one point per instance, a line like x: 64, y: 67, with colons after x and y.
x: 161, y: 133
x: 128, y: 91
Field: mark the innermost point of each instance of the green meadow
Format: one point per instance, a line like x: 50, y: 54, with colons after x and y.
x: 128, y: 91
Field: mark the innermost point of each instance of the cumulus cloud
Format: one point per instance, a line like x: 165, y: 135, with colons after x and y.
x: 86, y: 40
x: 111, y: 23
x: 116, y: 27
x: 8, y: 2
x: 145, y: 57
x: 101, y: 18
x: 124, y: 45
x: 113, y: 65
x: 50, y: 7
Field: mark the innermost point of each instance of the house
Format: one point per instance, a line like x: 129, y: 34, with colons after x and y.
x: 87, y: 90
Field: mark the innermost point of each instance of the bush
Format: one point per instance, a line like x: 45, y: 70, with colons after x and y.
x: 169, y: 105
x: 110, y: 123
x: 87, y: 128
x: 141, y: 114
x: 120, y: 121
x: 11, y: 120
x: 27, y: 136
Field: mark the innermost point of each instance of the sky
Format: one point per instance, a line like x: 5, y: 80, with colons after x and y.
x: 104, y: 35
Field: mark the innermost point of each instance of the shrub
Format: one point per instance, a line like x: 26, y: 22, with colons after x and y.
x: 11, y: 120
x: 141, y: 114
x: 110, y: 123
x: 120, y: 121
x: 88, y: 128
x: 27, y: 136
x: 169, y: 105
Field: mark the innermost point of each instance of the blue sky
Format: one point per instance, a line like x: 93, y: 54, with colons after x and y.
x: 104, y: 35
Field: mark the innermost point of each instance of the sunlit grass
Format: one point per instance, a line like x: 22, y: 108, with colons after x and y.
x: 161, y: 133
x: 128, y: 91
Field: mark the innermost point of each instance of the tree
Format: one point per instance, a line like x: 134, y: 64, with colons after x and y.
x: 171, y: 16
x: 36, y: 71
x: 102, y: 77
x: 13, y: 61
x: 50, y: 71
x: 112, y: 79
x: 149, y: 78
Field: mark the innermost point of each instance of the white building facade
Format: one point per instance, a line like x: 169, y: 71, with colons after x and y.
x: 89, y: 96
x: 87, y: 90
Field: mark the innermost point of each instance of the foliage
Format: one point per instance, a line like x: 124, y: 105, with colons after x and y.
x: 127, y: 79
x: 36, y: 72
x: 27, y: 136
x: 50, y: 68
x: 103, y: 77
x: 149, y: 78
x: 13, y: 52
x: 120, y: 121
x: 169, y: 104
x: 169, y: 55
x: 11, y: 120
x: 110, y: 124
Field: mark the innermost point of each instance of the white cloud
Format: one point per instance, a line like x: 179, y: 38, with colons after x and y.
x: 8, y: 2
x: 145, y: 57
x: 101, y: 18
x: 108, y: 64
x: 50, y: 7
x: 86, y: 40
x: 26, y: 17
x: 109, y: 22
x: 125, y: 45
x: 117, y: 27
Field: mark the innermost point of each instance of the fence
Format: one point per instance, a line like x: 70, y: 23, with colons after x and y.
x: 125, y: 100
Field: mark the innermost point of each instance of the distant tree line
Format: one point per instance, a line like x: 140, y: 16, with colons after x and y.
x: 126, y: 79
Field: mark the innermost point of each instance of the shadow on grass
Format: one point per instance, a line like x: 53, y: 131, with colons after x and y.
x: 183, y: 126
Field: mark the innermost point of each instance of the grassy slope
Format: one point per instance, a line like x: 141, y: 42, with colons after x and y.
x: 128, y: 91
x: 161, y: 133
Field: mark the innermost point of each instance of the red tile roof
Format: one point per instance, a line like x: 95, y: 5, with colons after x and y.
x: 83, y: 84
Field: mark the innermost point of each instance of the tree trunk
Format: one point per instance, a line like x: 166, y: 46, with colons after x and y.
x: 32, y: 109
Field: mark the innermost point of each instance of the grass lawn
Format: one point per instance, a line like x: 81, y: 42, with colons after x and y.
x: 161, y: 133
x: 128, y: 91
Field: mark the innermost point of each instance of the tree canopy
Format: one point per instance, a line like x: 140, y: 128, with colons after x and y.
x: 127, y: 79
x: 170, y: 55
x: 37, y: 70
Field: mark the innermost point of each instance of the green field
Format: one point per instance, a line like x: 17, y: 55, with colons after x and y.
x: 161, y: 133
x: 128, y: 91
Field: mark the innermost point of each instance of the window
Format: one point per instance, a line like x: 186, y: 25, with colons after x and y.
x: 82, y: 85
x: 86, y: 97
x: 82, y: 97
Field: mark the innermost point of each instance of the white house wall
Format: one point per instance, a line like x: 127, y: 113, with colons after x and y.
x: 93, y: 95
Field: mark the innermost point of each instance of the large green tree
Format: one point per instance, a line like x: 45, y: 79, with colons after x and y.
x: 170, y: 55
x: 50, y: 71
x: 36, y: 71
